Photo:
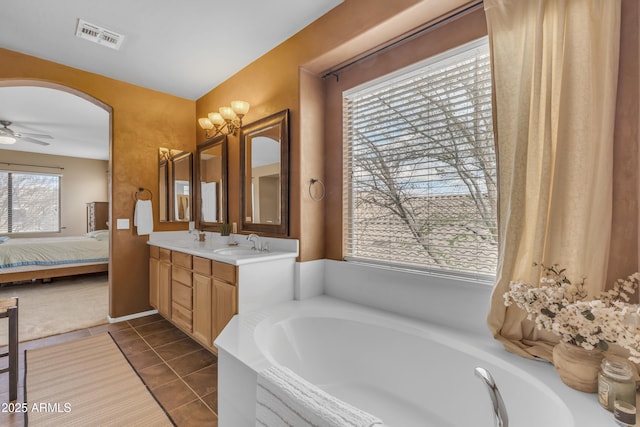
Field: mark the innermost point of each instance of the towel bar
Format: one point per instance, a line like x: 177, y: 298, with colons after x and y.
x: 141, y: 191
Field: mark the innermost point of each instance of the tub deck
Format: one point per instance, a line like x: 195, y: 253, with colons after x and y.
x: 407, y: 372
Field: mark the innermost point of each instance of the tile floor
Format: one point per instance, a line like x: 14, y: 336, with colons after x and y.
x: 181, y: 374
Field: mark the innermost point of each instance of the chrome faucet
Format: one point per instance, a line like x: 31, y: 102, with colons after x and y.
x: 195, y: 233
x: 499, y: 410
x: 257, y: 242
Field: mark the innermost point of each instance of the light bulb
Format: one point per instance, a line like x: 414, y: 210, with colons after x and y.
x: 216, y: 119
x: 227, y: 113
x: 240, y: 107
x: 205, y: 123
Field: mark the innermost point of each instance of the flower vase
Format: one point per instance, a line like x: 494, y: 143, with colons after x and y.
x: 578, y: 367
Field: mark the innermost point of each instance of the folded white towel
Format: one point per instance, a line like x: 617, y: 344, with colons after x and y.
x: 285, y: 399
x: 143, y: 217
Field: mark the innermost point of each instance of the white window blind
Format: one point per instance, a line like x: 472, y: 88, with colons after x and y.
x: 29, y: 202
x: 420, y: 170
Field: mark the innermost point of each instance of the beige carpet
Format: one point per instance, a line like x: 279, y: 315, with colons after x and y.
x: 87, y: 382
x: 63, y: 305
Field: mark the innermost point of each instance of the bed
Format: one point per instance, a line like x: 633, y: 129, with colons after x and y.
x: 48, y: 257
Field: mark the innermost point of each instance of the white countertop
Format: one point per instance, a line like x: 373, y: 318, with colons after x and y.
x: 214, y: 244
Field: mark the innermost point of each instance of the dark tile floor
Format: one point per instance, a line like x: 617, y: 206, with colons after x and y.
x: 181, y: 374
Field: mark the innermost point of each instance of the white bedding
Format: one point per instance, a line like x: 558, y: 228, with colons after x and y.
x: 51, y: 251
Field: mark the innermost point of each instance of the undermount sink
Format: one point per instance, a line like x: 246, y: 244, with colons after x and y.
x: 236, y: 251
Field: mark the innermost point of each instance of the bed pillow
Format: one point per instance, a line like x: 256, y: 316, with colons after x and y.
x: 4, y: 239
x: 99, y: 234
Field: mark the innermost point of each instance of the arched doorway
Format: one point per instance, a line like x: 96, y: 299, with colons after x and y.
x: 79, y: 153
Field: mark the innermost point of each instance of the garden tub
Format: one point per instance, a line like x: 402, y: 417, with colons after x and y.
x: 405, y: 371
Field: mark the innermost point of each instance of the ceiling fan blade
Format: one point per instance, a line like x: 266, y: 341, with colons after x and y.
x: 34, y: 135
x: 35, y: 141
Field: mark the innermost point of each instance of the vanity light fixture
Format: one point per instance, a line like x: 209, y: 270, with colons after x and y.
x: 226, y: 121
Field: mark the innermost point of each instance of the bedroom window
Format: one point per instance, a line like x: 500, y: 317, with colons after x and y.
x: 420, y: 166
x: 29, y: 203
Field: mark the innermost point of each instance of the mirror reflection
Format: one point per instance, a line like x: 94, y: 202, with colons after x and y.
x: 211, y: 182
x: 264, y: 153
x: 182, y: 187
x: 175, y: 183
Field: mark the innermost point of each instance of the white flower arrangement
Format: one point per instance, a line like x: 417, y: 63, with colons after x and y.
x: 559, y: 306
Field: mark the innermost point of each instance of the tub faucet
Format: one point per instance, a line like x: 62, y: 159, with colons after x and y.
x: 257, y: 242
x: 499, y: 410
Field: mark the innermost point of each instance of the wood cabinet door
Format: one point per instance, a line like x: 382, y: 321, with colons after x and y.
x: 164, y: 289
x: 203, y: 309
x: 154, y: 266
x: 225, y: 304
x: 182, y: 317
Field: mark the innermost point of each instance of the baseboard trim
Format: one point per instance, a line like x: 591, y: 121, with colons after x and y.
x: 130, y: 316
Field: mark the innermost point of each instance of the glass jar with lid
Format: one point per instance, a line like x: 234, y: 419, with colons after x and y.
x: 617, y: 390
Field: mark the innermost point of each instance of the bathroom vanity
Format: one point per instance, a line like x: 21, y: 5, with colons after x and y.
x: 200, y: 286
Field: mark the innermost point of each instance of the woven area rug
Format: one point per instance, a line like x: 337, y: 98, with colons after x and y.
x: 87, y: 382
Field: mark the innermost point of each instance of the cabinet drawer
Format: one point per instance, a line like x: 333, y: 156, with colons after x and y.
x: 202, y: 266
x: 182, y: 295
x: 225, y: 272
x: 154, y: 252
x: 165, y: 254
x: 181, y: 275
x: 181, y: 259
x: 181, y: 316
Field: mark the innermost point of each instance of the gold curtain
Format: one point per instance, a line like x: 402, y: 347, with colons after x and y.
x: 555, y: 68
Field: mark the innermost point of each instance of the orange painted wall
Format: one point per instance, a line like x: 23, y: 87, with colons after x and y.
x: 289, y: 76
x: 448, y: 36
x: 625, y: 251
x: 142, y: 121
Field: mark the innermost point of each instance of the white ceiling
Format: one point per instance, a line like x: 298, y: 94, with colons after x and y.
x: 182, y: 48
x: 78, y: 127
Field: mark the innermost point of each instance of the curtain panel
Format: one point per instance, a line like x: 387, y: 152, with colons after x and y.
x: 554, y: 70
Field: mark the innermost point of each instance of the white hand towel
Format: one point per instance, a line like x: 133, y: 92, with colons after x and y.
x: 143, y: 217
x: 285, y: 399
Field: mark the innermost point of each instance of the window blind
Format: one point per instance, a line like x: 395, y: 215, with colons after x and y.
x: 29, y: 202
x: 420, y: 171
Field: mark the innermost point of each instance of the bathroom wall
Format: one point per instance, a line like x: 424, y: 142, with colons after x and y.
x: 142, y: 120
x: 453, y: 303
x: 624, y: 254
x: 83, y: 181
x: 290, y: 76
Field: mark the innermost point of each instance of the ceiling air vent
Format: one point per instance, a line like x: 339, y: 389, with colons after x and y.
x: 99, y: 35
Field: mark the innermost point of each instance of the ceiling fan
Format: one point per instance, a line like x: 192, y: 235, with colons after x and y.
x: 8, y: 136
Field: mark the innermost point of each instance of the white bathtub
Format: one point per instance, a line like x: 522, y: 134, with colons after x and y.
x: 407, y: 372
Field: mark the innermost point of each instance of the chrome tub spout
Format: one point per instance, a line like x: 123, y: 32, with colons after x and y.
x: 499, y: 410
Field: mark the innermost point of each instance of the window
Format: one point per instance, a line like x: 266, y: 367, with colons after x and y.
x: 420, y: 184
x: 29, y: 202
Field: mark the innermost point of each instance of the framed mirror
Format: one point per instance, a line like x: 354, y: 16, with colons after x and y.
x: 264, y: 172
x: 211, y: 183
x: 175, y: 185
